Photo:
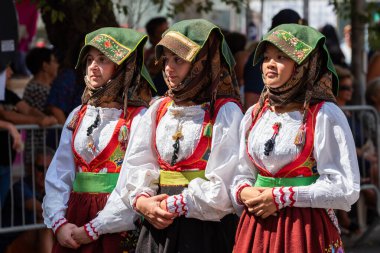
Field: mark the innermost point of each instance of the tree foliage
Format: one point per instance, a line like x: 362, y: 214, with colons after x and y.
x: 371, y: 17
x: 67, y: 21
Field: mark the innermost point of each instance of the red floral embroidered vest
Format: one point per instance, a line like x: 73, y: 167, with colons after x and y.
x: 304, y: 164
x: 112, y: 156
x: 201, y: 154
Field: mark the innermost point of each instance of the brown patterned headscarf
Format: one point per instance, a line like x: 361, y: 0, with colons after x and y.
x: 209, y: 77
x: 126, y: 88
x: 212, y: 74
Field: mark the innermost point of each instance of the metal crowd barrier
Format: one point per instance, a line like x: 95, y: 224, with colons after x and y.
x: 365, y: 122
x: 18, y: 172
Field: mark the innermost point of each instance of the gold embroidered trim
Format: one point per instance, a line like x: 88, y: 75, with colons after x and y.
x: 193, y: 48
x: 110, y: 48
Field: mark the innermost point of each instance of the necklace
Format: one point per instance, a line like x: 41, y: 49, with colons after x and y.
x: 269, y: 144
x: 90, y: 129
x: 176, y: 137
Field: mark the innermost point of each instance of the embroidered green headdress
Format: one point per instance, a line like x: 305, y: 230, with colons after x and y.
x: 130, y: 83
x: 117, y: 44
x: 298, y: 42
x: 186, y: 38
x: 201, y: 43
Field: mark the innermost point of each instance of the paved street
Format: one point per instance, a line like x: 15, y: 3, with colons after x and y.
x: 364, y: 244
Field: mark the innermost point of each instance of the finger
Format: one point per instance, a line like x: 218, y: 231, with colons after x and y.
x: 73, y: 244
x: 265, y: 215
x: 261, y: 189
x: 258, y: 213
x: 160, y: 197
x: 253, y: 201
x: 160, y: 224
x: 164, y: 214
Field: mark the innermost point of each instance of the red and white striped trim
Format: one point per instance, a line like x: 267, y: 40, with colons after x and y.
x: 283, y: 196
x: 237, y: 196
x: 143, y: 194
x: 91, y: 231
x: 177, y: 204
x: 59, y: 223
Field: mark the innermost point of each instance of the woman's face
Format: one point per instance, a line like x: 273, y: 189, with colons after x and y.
x: 345, y: 89
x: 277, y: 67
x: 99, y: 69
x: 176, y: 68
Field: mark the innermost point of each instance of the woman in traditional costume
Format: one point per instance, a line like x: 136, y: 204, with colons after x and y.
x: 94, y: 139
x: 181, y: 159
x: 297, y: 158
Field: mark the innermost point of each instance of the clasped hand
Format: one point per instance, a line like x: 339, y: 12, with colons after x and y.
x: 154, y: 210
x: 259, y: 201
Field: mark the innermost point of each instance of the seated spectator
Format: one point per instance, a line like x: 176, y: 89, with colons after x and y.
x: 43, y: 65
x: 18, y: 111
x: 65, y: 93
x: 24, y: 207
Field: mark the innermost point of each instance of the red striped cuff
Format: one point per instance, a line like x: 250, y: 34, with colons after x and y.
x: 177, y: 204
x: 58, y: 224
x: 91, y: 231
x: 237, y: 196
x: 283, y: 196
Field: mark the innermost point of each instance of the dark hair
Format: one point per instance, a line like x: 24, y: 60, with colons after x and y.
x: 36, y: 57
x: 286, y: 16
x: 152, y: 25
x: 236, y: 41
x: 333, y: 45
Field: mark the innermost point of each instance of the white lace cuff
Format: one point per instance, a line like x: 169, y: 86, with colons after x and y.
x: 91, y: 231
x: 58, y: 224
x: 177, y: 204
x: 283, y: 197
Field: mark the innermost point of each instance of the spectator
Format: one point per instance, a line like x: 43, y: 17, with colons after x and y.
x: 347, y: 220
x: 373, y: 67
x: 346, y: 44
x: 237, y: 42
x: 155, y: 28
x: 333, y: 45
x: 67, y: 89
x: 26, y: 209
x: 43, y: 64
x: 16, y: 111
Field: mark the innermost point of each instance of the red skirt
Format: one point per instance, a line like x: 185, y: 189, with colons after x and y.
x: 292, y: 230
x: 82, y: 208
